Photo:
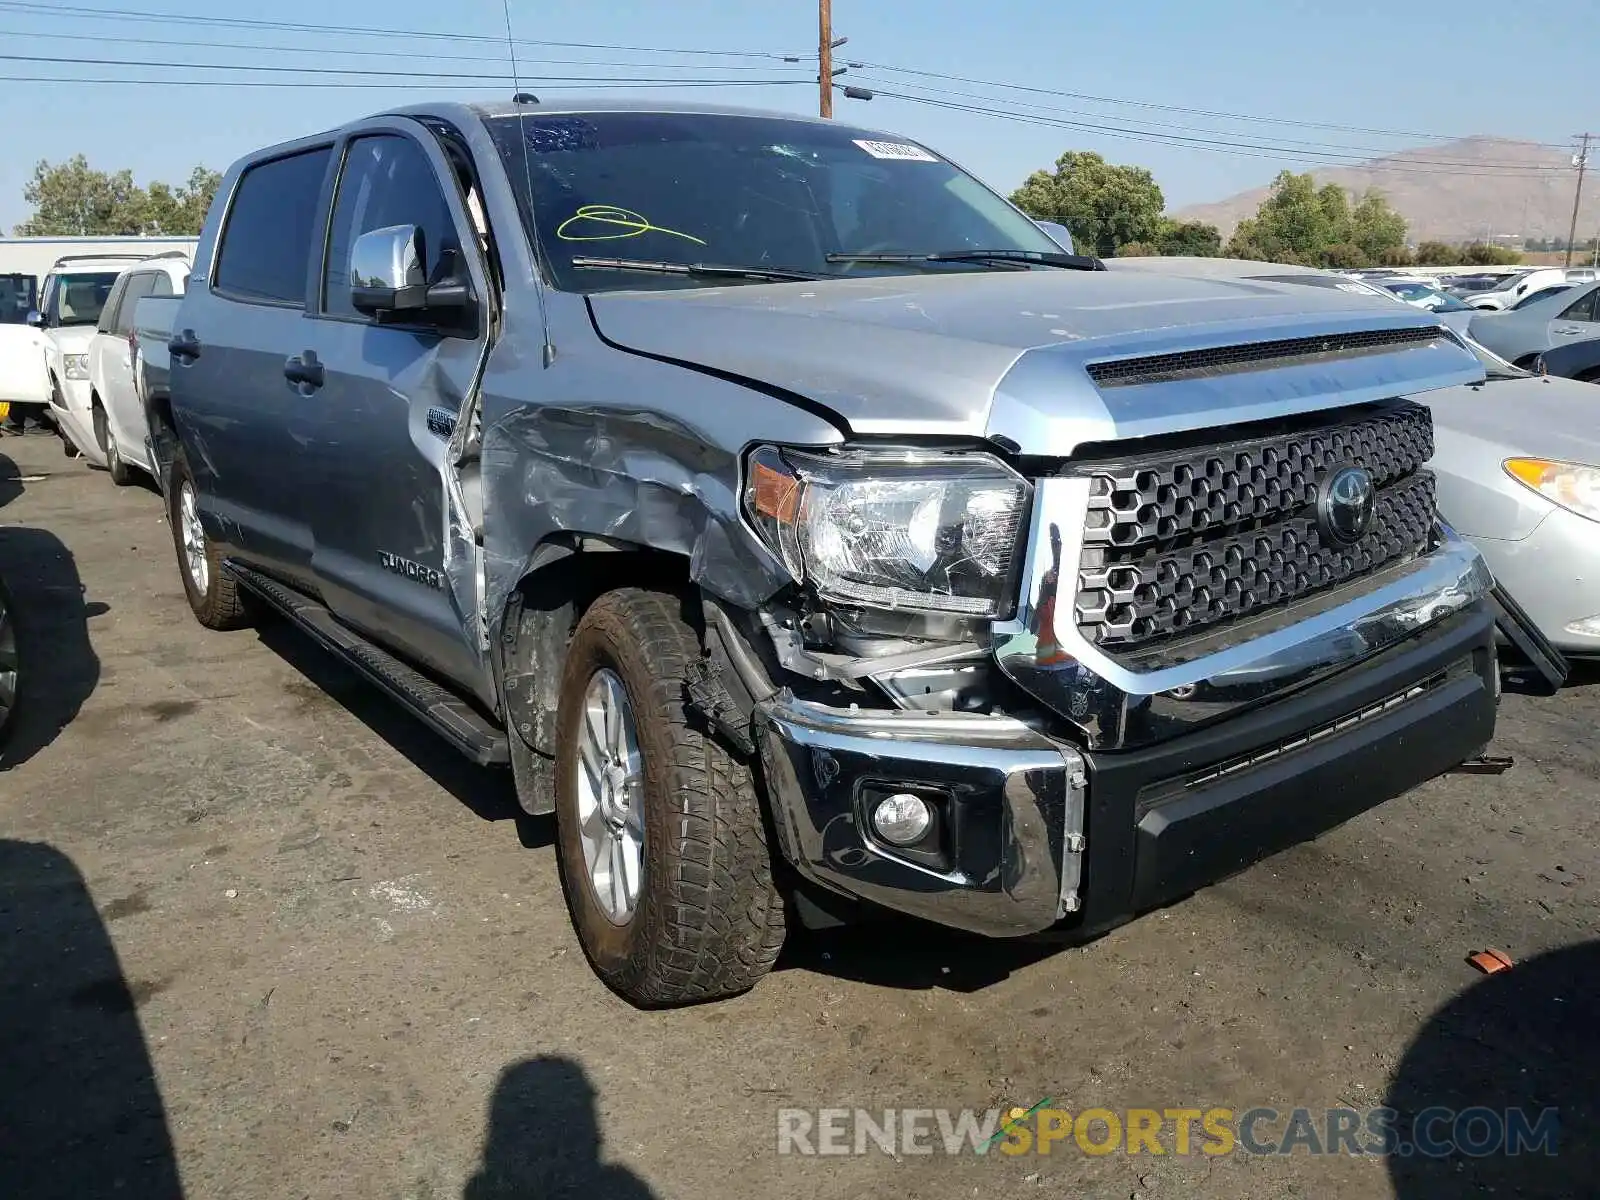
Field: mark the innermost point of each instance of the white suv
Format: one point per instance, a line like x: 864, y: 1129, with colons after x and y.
x: 110, y: 427
x: 70, y: 303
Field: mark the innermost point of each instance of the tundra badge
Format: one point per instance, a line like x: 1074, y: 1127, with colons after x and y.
x: 415, y: 571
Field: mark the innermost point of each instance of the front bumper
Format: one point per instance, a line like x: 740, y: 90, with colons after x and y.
x: 1554, y: 575
x: 1039, y: 834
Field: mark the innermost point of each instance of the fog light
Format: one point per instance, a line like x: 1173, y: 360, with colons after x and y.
x: 902, y: 819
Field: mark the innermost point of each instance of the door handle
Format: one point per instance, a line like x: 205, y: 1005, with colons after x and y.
x: 305, y: 371
x: 184, y: 347
x: 1568, y: 330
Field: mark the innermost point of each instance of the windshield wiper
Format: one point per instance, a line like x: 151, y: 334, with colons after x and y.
x: 712, y: 270
x: 1071, y: 262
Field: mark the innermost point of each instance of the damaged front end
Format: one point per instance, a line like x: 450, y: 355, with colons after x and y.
x: 1008, y: 703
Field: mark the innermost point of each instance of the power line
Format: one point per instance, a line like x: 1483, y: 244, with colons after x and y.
x: 1159, y: 127
x: 586, y: 84
x: 420, y: 76
x: 1249, y: 150
x: 1177, y: 108
x: 168, y: 18
x: 420, y: 55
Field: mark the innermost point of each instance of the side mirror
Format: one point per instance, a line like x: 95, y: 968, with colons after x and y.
x: 1059, y: 233
x: 35, y: 318
x: 388, y: 270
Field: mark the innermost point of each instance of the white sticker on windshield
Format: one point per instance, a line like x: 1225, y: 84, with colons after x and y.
x: 896, y: 150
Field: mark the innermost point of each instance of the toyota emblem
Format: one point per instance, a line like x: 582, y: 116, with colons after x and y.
x: 1344, y: 507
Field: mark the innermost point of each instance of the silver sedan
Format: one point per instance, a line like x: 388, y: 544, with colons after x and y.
x: 1524, y: 333
x: 1518, y: 465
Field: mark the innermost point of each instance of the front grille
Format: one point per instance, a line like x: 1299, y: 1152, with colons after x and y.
x: 1182, y: 539
x: 1258, y: 356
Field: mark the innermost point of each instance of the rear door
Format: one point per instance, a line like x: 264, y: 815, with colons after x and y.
x: 244, y: 425
x: 111, y: 353
x: 1580, y: 320
x: 388, y: 557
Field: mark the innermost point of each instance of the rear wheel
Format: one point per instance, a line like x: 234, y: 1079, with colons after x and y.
x: 121, y: 474
x: 213, y: 594
x: 660, y: 835
x: 10, y: 663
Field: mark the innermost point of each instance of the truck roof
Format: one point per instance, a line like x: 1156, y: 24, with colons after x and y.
x: 465, y: 112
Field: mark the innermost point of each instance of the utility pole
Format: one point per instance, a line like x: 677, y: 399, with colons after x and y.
x: 1582, y: 161
x: 825, y: 55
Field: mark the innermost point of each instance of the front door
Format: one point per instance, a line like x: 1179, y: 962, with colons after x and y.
x: 391, y: 552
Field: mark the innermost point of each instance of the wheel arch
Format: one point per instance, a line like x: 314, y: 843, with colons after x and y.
x: 564, y: 575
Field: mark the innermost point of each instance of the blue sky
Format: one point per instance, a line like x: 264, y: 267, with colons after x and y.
x: 1391, y: 67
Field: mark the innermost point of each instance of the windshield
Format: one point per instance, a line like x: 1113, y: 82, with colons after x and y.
x: 18, y: 296
x: 1428, y: 297
x: 743, y: 191
x: 80, y: 297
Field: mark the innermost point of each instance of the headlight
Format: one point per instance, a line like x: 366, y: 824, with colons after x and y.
x: 915, y: 530
x: 77, y: 365
x: 1573, y: 486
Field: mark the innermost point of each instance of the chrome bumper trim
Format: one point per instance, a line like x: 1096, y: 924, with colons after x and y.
x: 1114, y: 705
x: 817, y: 758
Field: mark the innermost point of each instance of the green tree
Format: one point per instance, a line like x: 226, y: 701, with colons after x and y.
x: 1192, y: 238
x: 1377, y: 228
x: 1481, y: 254
x: 1138, y: 250
x: 1104, y: 205
x: 1437, y: 254
x: 1301, y: 223
x: 180, y: 211
x: 73, y: 199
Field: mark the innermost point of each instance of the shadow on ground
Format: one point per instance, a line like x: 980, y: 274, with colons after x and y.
x: 80, y: 1113
x: 486, y: 791
x: 544, y: 1139
x: 894, y: 952
x: 1526, y: 1039
x: 58, y: 668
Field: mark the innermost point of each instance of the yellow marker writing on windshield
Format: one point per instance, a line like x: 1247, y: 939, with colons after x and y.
x: 615, y: 224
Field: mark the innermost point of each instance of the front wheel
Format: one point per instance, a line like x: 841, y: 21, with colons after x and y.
x: 213, y: 594
x: 660, y: 835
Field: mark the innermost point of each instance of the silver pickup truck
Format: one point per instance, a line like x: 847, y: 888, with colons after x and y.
x: 809, y: 530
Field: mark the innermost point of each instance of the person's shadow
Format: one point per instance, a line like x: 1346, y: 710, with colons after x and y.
x: 1524, y: 1042
x: 544, y: 1139
x: 80, y: 1112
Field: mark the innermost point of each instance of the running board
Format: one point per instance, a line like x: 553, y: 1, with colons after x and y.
x: 453, y: 718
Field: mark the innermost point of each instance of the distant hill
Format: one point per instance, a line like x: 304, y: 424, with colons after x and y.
x: 1453, y: 202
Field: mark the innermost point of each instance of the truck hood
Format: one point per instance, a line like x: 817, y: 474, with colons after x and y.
x: 1006, y: 354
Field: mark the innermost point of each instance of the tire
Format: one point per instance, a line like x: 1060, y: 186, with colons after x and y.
x: 213, y: 594
x: 707, y: 921
x: 10, y: 664
x: 121, y: 473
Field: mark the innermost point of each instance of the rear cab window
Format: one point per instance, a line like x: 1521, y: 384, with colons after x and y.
x: 264, y: 253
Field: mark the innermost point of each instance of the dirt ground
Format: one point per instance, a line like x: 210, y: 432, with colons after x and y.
x: 262, y: 936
